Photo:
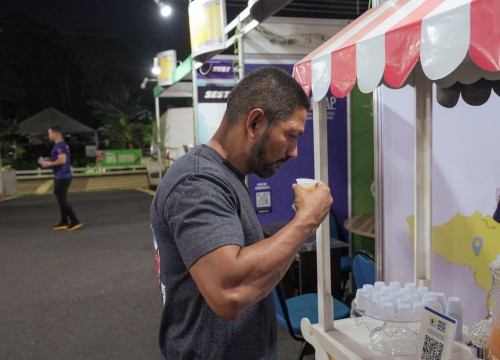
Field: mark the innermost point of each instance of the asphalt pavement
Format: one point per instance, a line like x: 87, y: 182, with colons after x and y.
x: 86, y: 294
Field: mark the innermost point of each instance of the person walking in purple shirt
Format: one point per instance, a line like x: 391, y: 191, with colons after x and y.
x: 60, y: 162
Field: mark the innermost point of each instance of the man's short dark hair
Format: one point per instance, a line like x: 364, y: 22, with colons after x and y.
x: 269, y: 88
x: 57, y: 129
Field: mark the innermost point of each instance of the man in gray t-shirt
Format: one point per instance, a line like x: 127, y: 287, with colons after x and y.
x: 216, y: 269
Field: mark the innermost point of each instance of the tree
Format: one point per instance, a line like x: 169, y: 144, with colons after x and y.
x: 123, y: 120
x: 8, y: 135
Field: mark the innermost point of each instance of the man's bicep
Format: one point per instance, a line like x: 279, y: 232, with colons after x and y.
x: 210, y: 271
x: 62, y: 158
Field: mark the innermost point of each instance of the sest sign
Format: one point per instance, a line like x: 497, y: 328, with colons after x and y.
x: 213, y: 94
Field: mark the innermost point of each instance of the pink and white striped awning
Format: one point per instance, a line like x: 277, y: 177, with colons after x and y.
x: 386, y: 42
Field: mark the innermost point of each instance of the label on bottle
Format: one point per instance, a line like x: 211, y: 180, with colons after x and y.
x: 436, y: 336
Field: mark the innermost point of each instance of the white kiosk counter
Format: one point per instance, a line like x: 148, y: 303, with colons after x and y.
x: 400, y: 42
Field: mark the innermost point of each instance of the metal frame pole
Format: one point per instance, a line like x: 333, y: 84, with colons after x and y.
x: 379, y: 184
x: 194, y: 81
x: 423, y: 178
x: 158, y: 138
x: 325, y: 297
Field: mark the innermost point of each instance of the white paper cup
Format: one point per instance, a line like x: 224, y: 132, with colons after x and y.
x: 422, y: 290
x: 368, y: 287
x: 454, y: 305
x: 379, y: 285
x: 362, y: 297
x: 387, y: 299
x: 411, y: 286
x: 414, y: 298
x: 404, y: 312
x: 441, y: 298
x: 404, y: 300
x: 418, y: 310
x: 307, y: 183
x: 395, y: 286
x: 376, y: 295
x: 387, y: 311
x: 372, y: 308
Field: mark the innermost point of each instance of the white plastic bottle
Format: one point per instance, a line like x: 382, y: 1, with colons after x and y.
x: 454, y: 310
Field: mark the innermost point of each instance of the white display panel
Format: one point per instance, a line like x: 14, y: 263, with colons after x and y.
x: 464, y: 184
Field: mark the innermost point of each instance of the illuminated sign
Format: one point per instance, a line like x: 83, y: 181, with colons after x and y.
x: 207, y: 20
x: 167, y: 60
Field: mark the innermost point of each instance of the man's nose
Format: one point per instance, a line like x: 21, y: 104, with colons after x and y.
x: 293, y: 150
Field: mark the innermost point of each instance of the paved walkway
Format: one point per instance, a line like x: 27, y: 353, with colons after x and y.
x: 109, y: 182
x: 87, y: 294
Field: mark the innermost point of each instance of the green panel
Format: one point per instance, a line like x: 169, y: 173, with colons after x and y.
x: 183, y: 69
x: 125, y: 157
x: 157, y: 91
x: 362, y: 162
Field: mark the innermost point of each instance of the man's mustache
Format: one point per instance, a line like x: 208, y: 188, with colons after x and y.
x: 283, y: 160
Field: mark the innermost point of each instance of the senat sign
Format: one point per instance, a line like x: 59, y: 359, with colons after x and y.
x: 213, y: 94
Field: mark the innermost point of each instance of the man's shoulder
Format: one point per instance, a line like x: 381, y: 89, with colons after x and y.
x: 61, y: 145
x: 198, y: 164
x: 198, y: 161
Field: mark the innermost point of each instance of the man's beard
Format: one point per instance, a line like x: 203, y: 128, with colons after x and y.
x: 258, y: 163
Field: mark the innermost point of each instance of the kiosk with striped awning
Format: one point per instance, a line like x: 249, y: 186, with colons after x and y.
x: 417, y: 42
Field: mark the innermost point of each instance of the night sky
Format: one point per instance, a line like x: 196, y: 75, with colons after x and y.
x: 137, y: 22
x: 67, y: 53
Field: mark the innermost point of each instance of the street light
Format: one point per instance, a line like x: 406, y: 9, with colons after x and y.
x: 165, y: 10
x: 156, y: 69
x: 145, y: 81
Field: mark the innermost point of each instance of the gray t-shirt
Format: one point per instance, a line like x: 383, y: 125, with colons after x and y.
x: 202, y: 204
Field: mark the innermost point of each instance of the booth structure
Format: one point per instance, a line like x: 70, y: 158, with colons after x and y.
x: 452, y: 43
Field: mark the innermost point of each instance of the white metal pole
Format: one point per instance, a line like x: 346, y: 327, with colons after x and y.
x: 325, y: 298
x: 195, y: 102
x: 241, y: 53
x: 379, y: 183
x: 158, y: 138
x: 378, y: 178
x: 423, y: 178
x: 349, y: 177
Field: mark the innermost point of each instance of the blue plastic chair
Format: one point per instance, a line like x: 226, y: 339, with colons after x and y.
x: 289, y: 313
x: 363, y: 269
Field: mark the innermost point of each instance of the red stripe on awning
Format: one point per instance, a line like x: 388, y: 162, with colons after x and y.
x: 343, y: 73
x: 484, y: 47
x: 302, y: 74
x: 402, y: 45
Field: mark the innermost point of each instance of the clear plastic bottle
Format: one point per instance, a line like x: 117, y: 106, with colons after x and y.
x: 495, y: 308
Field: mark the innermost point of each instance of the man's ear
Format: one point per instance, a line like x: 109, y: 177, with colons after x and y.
x: 255, y: 122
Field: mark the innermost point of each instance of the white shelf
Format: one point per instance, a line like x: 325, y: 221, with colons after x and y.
x: 347, y: 341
